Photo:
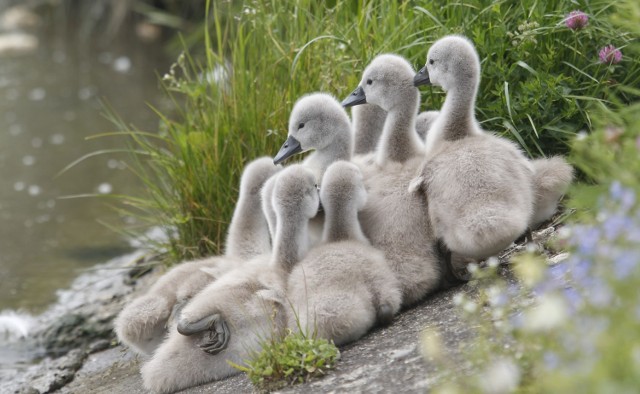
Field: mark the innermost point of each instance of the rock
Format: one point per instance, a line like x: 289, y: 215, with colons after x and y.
x: 50, y: 375
x: 78, y: 324
x: 17, y: 43
x: 148, y: 32
x: 385, y: 360
x: 61, y: 336
x: 99, y: 345
x: 19, y: 17
x: 558, y: 258
x: 51, y: 381
x: 388, y: 359
x: 142, y: 266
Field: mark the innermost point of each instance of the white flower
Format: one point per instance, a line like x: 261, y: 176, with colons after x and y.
x: 470, y: 306
x: 493, y: 295
x: 502, y: 376
x: 431, y: 344
x: 529, y: 268
x: 635, y: 355
x: 564, y: 232
x: 550, y: 312
x: 458, y: 299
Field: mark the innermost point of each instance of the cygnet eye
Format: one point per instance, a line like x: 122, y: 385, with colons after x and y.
x: 431, y: 61
x: 369, y: 81
x: 301, y: 125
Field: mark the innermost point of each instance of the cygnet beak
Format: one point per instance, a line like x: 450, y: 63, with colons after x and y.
x: 290, y: 147
x: 422, y: 77
x: 356, y: 97
x: 320, y: 207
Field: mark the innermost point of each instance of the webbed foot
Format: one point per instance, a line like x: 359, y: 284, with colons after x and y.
x: 175, y: 311
x: 528, y: 235
x: 216, y: 332
x: 385, y: 315
x: 453, y: 271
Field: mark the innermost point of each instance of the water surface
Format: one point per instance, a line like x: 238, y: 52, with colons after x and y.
x: 49, y: 105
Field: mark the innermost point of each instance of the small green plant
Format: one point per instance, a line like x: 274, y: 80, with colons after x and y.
x: 293, y: 359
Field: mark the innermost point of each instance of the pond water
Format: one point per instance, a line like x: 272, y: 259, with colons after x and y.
x: 50, y: 102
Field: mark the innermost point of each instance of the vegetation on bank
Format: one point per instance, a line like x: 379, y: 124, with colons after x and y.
x: 541, y: 81
x: 293, y: 359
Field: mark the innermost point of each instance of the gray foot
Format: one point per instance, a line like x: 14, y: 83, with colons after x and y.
x: 453, y: 273
x: 385, y: 315
x: 175, y: 311
x: 215, y: 332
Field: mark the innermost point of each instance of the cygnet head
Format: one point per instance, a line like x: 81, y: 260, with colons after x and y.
x: 343, y: 183
x: 386, y: 82
x: 295, y: 193
x: 256, y: 174
x: 316, y: 121
x: 452, y: 62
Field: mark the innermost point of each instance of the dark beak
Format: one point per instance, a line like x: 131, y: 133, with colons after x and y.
x: 320, y: 207
x: 422, y: 77
x: 290, y: 147
x: 356, y: 97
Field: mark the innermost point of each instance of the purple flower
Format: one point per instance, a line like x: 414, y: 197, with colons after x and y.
x: 626, y: 196
x: 586, y: 239
x: 576, y: 20
x: 610, y: 55
x: 633, y: 235
x: 551, y: 360
x: 516, y: 320
x: 615, y: 190
x: 625, y: 263
x: 627, y: 199
x: 574, y: 299
x: 558, y: 272
x: 615, y: 225
x: 580, y: 272
x: 598, y: 293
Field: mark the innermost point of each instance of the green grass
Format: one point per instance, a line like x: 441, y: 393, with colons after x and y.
x: 296, y: 358
x: 540, y: 83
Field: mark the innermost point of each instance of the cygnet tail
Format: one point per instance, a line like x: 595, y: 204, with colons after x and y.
x: 487, y: 233
x: 551, y: 180
x: 141, y: 324
x: 342, y: 318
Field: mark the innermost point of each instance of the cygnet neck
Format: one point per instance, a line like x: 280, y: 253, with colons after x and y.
x: 368, y: 121
x: 292, y: 240
x: 457, y: 116
x: 341, y: 222
x: 340, y: 148
x: 248, y: 230
x: 399, y: 141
